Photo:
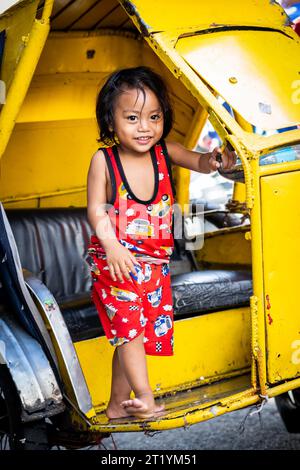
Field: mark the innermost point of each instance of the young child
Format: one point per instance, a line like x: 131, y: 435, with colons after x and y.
x: 130, y: 251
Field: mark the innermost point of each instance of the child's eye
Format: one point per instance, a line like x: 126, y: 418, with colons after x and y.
x: 155, y: 117
x: 132, y: 118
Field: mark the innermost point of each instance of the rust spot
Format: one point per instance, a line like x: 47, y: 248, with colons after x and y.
x: 270, y: 319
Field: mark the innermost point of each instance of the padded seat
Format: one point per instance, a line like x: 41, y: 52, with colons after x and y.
x: 203, y: 291
x: 53, y: 244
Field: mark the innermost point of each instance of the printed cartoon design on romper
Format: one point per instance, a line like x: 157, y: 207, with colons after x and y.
x: 167, y: 307
x: 118, y: 341
x: 161, y: 208
x: 93, y: 266
x: 155, y: 296
x: 165, y: 227
x: 162, y: 325
x: 143, y: 319
x: 110, y: 310
x: 148, y: 273
x: 123, y: 295
x: 130, y: 246
x: 167, y: 249
x: 123, y: 193
x: 140, y: 277
x: 143, y: 227
x: 140, y: 227
x: 165, y: 269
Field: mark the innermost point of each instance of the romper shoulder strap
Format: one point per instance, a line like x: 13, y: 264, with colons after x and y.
x: 108, y: 156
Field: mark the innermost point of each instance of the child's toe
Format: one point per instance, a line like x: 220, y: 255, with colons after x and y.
x: 127, y: 403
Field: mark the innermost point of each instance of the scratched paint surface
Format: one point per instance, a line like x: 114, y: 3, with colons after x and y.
x: 281, y: 254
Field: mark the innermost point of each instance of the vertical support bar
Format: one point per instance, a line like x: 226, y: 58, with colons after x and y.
x: 182, y: 175
x: 257, y: 304
x: 34, y: 44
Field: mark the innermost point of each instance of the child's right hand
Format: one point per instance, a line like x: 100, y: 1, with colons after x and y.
x: 120, y: 261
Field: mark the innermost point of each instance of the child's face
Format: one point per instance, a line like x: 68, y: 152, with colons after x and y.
x: 138, y: 120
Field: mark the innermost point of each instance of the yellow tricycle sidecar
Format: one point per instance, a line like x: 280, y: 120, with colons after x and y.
x: 237, y: 331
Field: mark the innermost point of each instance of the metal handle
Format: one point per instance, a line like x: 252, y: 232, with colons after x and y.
x: 219, y: 155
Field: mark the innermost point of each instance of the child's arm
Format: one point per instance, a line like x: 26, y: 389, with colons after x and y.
x: 119, y: 258
x: 96, y: 200
x: 201, y: 162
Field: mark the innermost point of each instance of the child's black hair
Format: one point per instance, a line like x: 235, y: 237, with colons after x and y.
x: 136, y: 77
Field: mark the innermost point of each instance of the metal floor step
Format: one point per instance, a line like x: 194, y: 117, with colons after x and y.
x: 180, y: 406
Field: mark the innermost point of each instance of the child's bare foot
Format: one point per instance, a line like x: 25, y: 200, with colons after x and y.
x: 114, y: 411
x: 134, y: 407
x: 142, y: 407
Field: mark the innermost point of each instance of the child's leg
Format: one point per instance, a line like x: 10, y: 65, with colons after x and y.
x: 133, y: 362
x: 120, y: 390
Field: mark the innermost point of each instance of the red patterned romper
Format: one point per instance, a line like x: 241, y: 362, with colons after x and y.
x: 144, y: 303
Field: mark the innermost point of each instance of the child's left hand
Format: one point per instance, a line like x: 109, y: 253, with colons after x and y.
x: 228, y: 159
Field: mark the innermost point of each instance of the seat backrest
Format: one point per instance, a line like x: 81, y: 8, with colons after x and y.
x: 52, y: 244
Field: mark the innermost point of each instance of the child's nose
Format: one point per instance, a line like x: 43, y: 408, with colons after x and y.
x: 143, y: 125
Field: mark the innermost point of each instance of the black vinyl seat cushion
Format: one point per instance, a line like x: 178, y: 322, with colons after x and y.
x: 52, y: 244
x: 204, y: 291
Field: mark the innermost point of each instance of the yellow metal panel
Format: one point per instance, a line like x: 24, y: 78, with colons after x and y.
x: 17, y: 23
x: 280, y: 205
x: 239, y: 192
x: 72, y: 96
x: 258, y: 344
x: 201, y: 340
x: 33, y: 44
x: 74, y: 198
x: 226, y: 246
x: 257, y: 72
x: 112, y: 50
x: 64, y: 97
x: 56, y: 131
x: 31, y: 204
x: 189, y: 15
x: 54, y: 156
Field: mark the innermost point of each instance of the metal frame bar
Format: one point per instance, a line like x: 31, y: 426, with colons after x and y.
x: 34, y: 43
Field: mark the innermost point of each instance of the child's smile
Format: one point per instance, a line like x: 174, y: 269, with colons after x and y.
x: 143, y: 140
x: 138, y: 120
